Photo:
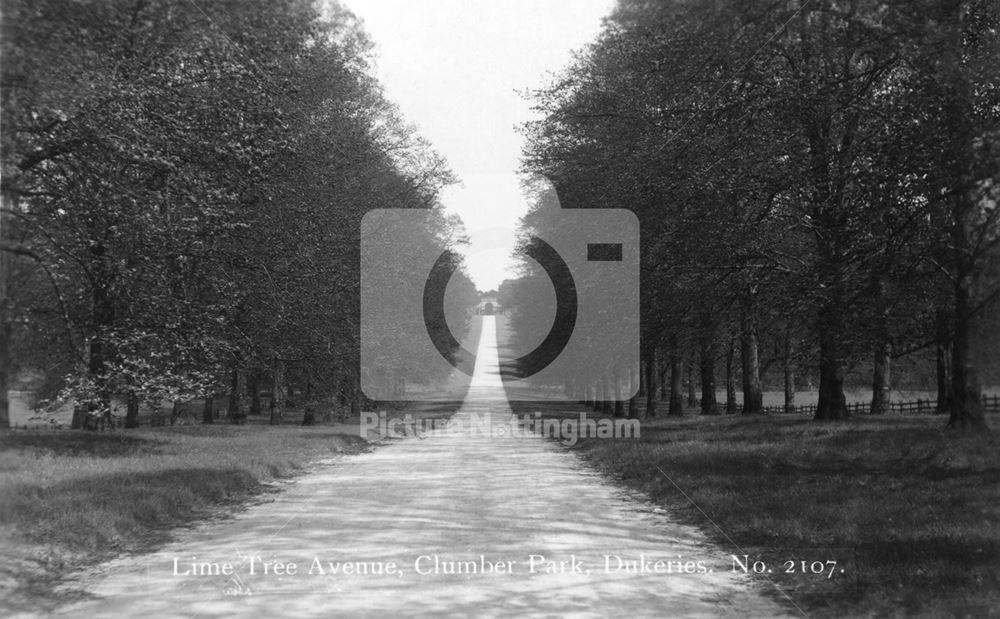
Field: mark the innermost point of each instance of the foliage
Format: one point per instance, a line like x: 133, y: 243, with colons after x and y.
x: 818, y: 174
x: 183, y: 185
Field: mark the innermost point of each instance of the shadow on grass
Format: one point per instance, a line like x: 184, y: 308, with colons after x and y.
x: 121, y: 511
x: 968, y: 552
x: 75, y: 498
x: 78, y: 444
x: 91, y: 519
x: 913, y: 504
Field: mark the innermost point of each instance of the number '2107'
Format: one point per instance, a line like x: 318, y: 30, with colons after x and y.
x: 745, y: 565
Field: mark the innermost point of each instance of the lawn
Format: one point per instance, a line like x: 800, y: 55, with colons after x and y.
x: 910, y: 511
x: 70, y: 499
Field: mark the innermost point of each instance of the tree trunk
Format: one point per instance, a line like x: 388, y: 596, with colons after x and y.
x: 79, y: 414
x: 253, y: 385
x: 235, y: 410
x: 832, y: 403
x: 6, y: 328
x: 6, y: 321
x: 943, y: 350
x: 355, y: 397
x: 103, y: 312
x: 731, y: 405
x: 789, y: 367
x: 634, y: 375
x: 277, y: 391
x: 207, y: 415
x: 692, y: 394
x: 651, y: 385
x: 709, y: 406
x: 967, y: 397
x: 753, y: 396
x: 966, y: 391
x: 309, y: 416
x: 642, y: 380
x: 132, y: 411
x: 676, y: 408
x: 881, y: 384
x: 828, y: 219
x: 665, y: 366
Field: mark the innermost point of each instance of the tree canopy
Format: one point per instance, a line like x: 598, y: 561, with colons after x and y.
x: 821, y: 175
x: 183, y: 185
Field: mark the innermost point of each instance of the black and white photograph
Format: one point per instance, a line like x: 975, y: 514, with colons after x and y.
x: 499, y: 308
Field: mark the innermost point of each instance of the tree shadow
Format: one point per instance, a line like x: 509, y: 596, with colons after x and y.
x: 79, y: 444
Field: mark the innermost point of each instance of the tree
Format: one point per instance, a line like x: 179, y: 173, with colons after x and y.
x: 180, y: 178
x: 795, y: 150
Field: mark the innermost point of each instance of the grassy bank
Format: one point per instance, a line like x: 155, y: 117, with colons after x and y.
x: 69, y: 499
x: 910, y: 511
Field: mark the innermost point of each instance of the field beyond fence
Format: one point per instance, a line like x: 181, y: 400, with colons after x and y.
x: 991, y: 404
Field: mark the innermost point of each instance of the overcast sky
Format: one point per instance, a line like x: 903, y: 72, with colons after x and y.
x: 455, y: 67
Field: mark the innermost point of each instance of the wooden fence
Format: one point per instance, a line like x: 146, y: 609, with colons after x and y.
x: 991, y: 404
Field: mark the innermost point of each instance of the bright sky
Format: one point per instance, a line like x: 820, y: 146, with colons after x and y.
x: 455, y: 67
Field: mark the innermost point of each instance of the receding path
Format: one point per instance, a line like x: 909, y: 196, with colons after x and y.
x: 456, y: 495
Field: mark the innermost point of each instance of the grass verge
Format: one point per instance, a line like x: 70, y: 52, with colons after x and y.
x: 910, y: 511
x: 71, y: 499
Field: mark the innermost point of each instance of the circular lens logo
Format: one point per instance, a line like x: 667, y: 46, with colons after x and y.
x: 536, y: 360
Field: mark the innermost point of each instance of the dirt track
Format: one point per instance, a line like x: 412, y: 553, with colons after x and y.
x: 476, y: 521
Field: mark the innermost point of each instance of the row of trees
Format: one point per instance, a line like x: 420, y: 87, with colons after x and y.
x: 183, y: 185
x: 817, y: 177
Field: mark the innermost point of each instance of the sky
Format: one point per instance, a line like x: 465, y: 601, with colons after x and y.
x: 455, y: 69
